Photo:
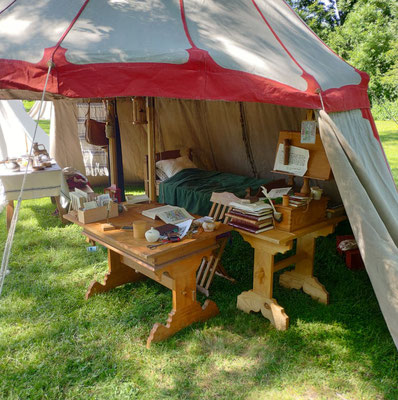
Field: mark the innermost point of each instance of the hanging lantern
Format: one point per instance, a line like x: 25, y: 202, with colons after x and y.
x: 139, y: 111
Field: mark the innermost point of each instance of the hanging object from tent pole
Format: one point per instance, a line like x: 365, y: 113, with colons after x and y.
x: 139, y: 111
x: 310, y: 125
x: 150, y: 106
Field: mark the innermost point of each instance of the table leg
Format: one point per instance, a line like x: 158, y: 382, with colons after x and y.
x: 302, y: 276
x: 186, y: 309
x: 260, y: 298
x: 9, y: 213
x: 61, y: 211
x: 118, y: 275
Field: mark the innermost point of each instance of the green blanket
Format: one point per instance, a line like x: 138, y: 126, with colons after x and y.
x: 192, y: 188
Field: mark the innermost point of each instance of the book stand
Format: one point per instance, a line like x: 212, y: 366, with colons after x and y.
x: 318, y: 168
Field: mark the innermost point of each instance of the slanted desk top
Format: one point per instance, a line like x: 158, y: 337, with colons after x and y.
x: 124, y: 241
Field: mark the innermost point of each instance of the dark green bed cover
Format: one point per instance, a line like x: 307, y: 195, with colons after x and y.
x: 191, y: 188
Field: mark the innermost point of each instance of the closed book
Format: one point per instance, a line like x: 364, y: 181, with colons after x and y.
x: 248, y: 218
x: 256, y: 216
x: 251, y: 222
x: 250, y: 229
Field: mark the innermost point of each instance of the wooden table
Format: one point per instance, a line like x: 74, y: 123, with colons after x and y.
x: 173, y: 265
x: 266, y: 245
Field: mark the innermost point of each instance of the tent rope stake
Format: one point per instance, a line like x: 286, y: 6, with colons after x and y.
x: 11, y: 232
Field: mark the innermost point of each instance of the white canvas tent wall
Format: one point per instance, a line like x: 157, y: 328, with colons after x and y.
x: 253, y: 51
x: 17, y: 129
x: 47, y: 110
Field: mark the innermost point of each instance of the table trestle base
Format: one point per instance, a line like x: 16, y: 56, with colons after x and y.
x: 270, y: 309
x: 309, y: 284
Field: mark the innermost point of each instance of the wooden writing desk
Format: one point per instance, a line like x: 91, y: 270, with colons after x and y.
x: 266, y: 245
x: 173, y: 265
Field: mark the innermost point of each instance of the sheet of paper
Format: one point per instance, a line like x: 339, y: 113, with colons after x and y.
x: 298, y: 160
x: 183, y: 227
x: 89, y: 205
x: 279, y: 192
x: 308, y: 131
x: 200, y: 220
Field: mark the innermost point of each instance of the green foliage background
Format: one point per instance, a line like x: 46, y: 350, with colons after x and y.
x: 364, y: 33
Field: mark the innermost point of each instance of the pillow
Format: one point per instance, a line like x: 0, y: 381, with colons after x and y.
x: 161, y: 175
x: 172, y: 166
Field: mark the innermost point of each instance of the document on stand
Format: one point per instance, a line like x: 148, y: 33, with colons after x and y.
x: 298, y: 160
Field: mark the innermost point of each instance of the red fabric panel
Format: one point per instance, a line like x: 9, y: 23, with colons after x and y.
x: 200, y: 78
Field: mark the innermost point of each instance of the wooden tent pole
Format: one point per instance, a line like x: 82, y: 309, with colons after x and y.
x: 150, y: 109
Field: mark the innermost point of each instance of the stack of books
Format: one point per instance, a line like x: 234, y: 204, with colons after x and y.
x: 298, y: 200
x: 254, y: 218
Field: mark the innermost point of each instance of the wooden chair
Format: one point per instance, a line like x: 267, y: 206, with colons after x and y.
x: 209, y: 267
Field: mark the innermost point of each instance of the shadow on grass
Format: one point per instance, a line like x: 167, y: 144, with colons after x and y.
x: 389, y: 136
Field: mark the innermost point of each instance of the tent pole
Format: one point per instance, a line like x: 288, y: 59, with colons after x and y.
x: 112, y: 144
x: 150, y: 109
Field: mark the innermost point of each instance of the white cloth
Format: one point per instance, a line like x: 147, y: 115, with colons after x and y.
x: 371, y: 200
x: 45, y: 183
x: 17, y: 129
x: 47, y: 110
x: 94, y: 157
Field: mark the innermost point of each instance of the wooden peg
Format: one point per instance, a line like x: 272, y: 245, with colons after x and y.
x: 286, y: 151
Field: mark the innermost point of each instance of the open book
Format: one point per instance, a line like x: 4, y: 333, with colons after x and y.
x: 168, y: 214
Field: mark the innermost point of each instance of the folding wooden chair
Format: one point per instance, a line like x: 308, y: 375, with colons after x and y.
x: 209, y: 267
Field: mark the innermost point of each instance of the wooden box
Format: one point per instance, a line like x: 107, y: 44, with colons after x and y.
x: 295, y: 218
x: 97, y: 214
x: 353, y: 259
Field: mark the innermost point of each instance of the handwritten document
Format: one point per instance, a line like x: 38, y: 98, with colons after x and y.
x: 298, y: 160
x: 308, y: 131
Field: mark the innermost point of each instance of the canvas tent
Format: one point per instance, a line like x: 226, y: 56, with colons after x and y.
x: 17, y: 129
x: 46, y: 111
x: 227, y: 76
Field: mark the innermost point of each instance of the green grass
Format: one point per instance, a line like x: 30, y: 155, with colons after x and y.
x: 388, y: 131
x: 56, y: 345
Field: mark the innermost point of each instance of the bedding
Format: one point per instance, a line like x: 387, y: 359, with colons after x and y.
x: 172, y: 166
x: 191, y: 188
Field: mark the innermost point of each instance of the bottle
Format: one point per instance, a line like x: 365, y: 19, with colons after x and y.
x: 208, y: 226
x: 152, y: 235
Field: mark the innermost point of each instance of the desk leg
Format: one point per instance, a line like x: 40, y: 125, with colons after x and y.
x: 9, y: 213
x: 118, y: 275
x: 186, y: 309
x: 260, y: 298
x: 61, y: 211
x: 302, y: 276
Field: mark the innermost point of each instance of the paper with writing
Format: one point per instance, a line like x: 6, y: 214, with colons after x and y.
x: 308, y: 131
x: 279, y: 192
x: 298, y: 160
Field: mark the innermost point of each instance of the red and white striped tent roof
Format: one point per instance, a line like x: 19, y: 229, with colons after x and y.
x: 236, y: 50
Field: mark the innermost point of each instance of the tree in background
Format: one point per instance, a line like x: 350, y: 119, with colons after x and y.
x: 363, y: 32
x: 368, y: 40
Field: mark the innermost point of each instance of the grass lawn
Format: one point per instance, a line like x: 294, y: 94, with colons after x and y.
x: 56, y: 345
x: 388, y: 131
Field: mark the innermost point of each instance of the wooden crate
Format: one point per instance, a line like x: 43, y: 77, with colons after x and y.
x: 295, y: 218
x: 97, y: 214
